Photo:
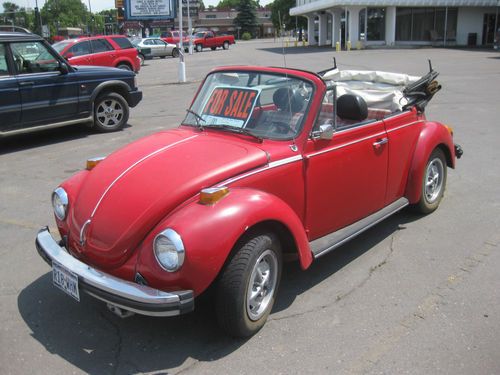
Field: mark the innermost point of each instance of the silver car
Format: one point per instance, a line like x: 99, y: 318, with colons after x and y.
x: 158, y: 47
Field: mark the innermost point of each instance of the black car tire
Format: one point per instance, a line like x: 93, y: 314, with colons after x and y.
x: 248, y: 284
x: 175, y: 53
x: 225, y: 45
x: 162, y: 57
x: 433, y: 183
x: 213, y: 48
x: 111, y: 112
x: 124, y: 66
x: 199, y: 48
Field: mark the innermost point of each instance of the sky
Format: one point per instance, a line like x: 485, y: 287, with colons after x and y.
x: 98, y: 5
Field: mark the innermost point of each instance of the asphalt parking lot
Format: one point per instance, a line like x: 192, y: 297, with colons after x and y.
x: 417, y: 295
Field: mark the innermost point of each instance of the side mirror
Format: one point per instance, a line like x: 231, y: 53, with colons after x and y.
x: 63, y: 68
x: 325, y: 132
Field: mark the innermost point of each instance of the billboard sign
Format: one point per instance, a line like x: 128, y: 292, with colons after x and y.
x: 149, y: 9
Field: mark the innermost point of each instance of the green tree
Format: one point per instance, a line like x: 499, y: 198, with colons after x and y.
x: 233, y: 4
x: 105, y: 21
x: 65, y: 13
x: 201, y: 5
x: 13, y: 14
x: 280, y: 11
x: 246, y: 18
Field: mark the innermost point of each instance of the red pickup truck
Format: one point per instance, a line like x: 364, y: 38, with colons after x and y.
x: 209, y: 39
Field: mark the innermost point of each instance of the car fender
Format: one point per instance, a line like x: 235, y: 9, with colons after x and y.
x: 71, y: 186
x: 210, y: 232
x: 432, y: 135
x: 118, y: 86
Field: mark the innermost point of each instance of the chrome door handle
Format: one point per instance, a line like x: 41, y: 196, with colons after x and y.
x: 383, y: 141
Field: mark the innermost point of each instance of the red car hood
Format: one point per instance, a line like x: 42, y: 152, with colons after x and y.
x: 129, y: 192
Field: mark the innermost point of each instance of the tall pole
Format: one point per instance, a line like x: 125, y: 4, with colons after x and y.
x: 445, y: 26
x: 189, y: 29
x: 496, y: 33
x: 182, y: 65
x: 38, y: 21
x: 90, y: 11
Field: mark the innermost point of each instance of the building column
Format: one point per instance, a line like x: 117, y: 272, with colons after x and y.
x: 322, y: 26
x: 310, y: 29
x: 353, y: 24
x: 336, y: 25
x: 390, y: 26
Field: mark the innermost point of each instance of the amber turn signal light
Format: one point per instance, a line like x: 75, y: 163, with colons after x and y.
x: 91, y: 163
x: 450, y: 130
x: 213, y: 195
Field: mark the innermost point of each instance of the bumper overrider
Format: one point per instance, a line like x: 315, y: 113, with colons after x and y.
x: 123, y: 294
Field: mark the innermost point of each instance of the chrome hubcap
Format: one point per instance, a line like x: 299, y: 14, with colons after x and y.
x: 262, y: 284
x: 434, y: 180
x: 109, y: 113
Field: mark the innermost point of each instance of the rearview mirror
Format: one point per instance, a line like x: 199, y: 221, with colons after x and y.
x: 325, y: 132
x: 63, y: 68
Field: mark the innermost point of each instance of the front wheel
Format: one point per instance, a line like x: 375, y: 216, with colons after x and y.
x: 248, y: 285
x: 110, y: 112
x: 199, y: 48
x: 175, y: 53
x: 225, y: 45
x: 433, y: 183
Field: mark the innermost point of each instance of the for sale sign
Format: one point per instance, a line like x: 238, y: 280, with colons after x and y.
x: 230, y: 106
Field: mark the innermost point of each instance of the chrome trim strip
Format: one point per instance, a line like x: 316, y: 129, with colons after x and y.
x: 110, y: 284
x: 405, y: 125
x: 133, y: 166
x: 345, y: 144
x: 271, y: 165
x: 45, y: 127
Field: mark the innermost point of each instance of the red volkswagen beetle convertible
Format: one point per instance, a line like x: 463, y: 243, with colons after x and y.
x: 269, y: 163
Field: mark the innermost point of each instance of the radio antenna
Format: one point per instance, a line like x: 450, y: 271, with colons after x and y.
x: 282, y: 40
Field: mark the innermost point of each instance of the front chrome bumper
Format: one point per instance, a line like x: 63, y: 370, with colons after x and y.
x: 124, y: 294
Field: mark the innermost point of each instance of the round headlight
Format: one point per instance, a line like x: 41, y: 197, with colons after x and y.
x: 60, y: 203
x: 169, y: 250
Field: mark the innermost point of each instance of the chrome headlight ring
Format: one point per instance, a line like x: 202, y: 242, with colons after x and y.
x: 60, y: 203
x: 169, y: 250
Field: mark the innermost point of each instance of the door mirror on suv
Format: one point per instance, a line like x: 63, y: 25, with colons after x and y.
x: 63, y: 68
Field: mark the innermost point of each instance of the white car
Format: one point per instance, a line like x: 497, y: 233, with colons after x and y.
x: 158, y: 48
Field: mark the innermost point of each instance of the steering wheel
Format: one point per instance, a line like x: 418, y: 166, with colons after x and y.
x: 281, y: 127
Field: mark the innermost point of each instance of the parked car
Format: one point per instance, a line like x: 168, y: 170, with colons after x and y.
x: 41, y: 90
x: 173, y: 37
x: 104, y: 50
x: 157, y: 47
x: 269, y: 164
x: 209, y: 39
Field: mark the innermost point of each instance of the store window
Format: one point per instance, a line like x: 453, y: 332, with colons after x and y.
x: 372, y: 24
x: 425, y: 24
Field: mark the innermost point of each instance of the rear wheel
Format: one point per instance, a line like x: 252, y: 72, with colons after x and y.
x: 225, y: 45
x: 110, y: 112
x: 248, y: 285
x: 433, y: 183
x: 124, y: 66
x: 175, y: 52
x: 199, y: 48
x: 213, y: 48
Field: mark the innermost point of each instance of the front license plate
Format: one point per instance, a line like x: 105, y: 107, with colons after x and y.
x: 65, y: 280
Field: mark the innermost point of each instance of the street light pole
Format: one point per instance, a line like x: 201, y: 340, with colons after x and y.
x: 90, y: 11
x: 182, y: 66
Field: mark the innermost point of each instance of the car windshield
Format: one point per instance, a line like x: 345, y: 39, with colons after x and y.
x: 265, y: 105
x: 59, y: 46
x: 135, y: 42
x: 200, y: 35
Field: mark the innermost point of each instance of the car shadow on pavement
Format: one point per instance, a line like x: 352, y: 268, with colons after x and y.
x: 43, y: 138
x: 299, y: 50
x: 96, y: 341
x: 294, y: 281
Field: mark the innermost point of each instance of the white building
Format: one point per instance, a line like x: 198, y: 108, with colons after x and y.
x: 400, y: 22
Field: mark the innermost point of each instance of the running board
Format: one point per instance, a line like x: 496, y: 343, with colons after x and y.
x: 331, y: 241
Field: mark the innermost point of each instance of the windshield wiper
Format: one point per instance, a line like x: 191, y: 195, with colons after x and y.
x: 237, y: 130
x: 197, y: 117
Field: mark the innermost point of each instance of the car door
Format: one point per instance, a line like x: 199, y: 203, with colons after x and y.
x: 47, y: 94
x: 149, y: 43
x: 10, y: 98
x: 345, y: 175
x: 79, y: 53
x: 163, y: 49
x: 209, y: 40
x: 103, y: 52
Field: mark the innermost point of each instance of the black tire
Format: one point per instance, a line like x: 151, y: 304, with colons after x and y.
x: 175, y: 53
x: 238, y: 313
x: 162, y: 57
x: 111, y: 112
x: 142, y: 58
x: 213, y: 48
x: 124, y: 66
x: 225, y: 45
x: 199, y: 48
x: 433, y: 183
